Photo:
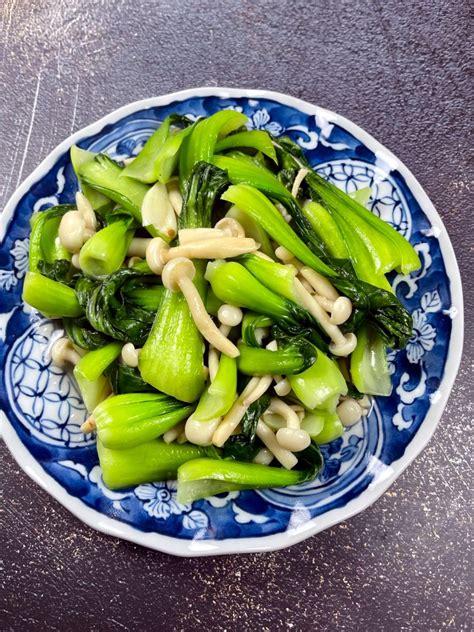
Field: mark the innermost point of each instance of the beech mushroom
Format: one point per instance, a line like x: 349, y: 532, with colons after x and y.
x: 63, y: 352
x: 130, y: 355
x: 292, y: 437
x: 267, y: 437
x: 349, y: 412
x: 254, y: 389
x: 178, y: 275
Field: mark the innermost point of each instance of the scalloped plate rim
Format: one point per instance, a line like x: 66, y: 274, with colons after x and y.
x: 196, y: 548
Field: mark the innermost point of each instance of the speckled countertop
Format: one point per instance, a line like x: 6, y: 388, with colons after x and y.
x: 399, y: 70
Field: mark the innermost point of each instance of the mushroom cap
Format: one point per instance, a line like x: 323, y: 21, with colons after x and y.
x: 231, y: 226
x: 341, y: 310
x: 60, y: 351
x: 345, y: 348
x: 154, y: 254
x: 349, y: 412
x: 71, y: 231
x: 175, y: 271
x: 230, y: 315
x: 293, y: 439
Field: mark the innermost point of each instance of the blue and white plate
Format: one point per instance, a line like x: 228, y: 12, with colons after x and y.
x: 42, y: 409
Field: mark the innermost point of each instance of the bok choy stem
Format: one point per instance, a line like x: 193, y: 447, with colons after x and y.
x: 147, y: 462
x: 51, y: 298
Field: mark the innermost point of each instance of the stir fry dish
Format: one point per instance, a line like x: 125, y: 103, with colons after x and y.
x: 225, y: 309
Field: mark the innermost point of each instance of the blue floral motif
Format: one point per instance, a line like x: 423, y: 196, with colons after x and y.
x: 44, y: 407
x: 423, y: 338
x: 160, y: 502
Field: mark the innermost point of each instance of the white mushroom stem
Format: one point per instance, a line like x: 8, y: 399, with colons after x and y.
x: 159, y: 253
x: 73, y: 232
x: 182, y: 438
x: 223, y: 248
x: 282, y: 386
x: 284, y: 255
x: 201, y: 432
x: 292, y: 437
x: 130, y: 355
x: 280, y: 407
x: 175, y: 197
x: 263, y: 457
x: 300, y: 176
x: 254, y: 389
x: 320, y: 283
x: 231, y: 227
x: 63, y: 352
x: 262, y: 255
x: 342, y: 344
x: 349, y: 411
x: 213, y: 363
x: 89, y: 425
x: 174, y: 433
x: 138, y: 246
x: 178, y: 275
x: 158, y: 212
x: 267, y: 437
x: 85, y: 209
x: 191, y: 235
x: 340, y: 309
x: 133, y: 261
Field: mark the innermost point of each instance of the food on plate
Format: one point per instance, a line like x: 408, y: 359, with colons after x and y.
x: 225, y: 309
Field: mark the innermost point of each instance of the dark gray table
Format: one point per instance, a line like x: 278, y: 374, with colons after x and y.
x: 399, y: 71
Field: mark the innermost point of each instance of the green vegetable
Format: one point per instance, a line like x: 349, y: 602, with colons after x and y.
x: 369, y: 367
x: 275, y: 276
x: 52, y: 299
x: 108, y: 308
x: 147, y: 462
x: 259, y: 207
x: 203, y: 477
x: 333, y: 429
x: 233, y: 284
x: 146, y: 297
x: 44, y: 231
x: 126, y: 420
x: 250, y: 323
x: 79, y: 158
x: 105, y: 175
x: 292, y: 358
x: 158, y: 158
x: 172, y: 357
x: 200, y: 145
x: 89, y: 374
x: 318, y: 384
x: 244, y: 446
x: 83, y: 335
x: 255, y: 139
x: 125, y: 379
x: 315, y: 420
x: 322, y: 222
x: 217, y: 400
x: 105, y: 251
x: 362, y: 196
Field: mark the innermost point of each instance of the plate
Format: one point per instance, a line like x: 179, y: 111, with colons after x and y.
x: 42, y: 409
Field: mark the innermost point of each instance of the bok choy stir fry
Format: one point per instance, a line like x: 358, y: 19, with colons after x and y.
x: 225, y: 309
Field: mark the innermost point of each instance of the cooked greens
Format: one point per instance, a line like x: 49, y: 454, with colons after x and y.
x: 257, y: 319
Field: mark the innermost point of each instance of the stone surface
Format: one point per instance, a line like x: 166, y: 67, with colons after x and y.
x: 400, y: 70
